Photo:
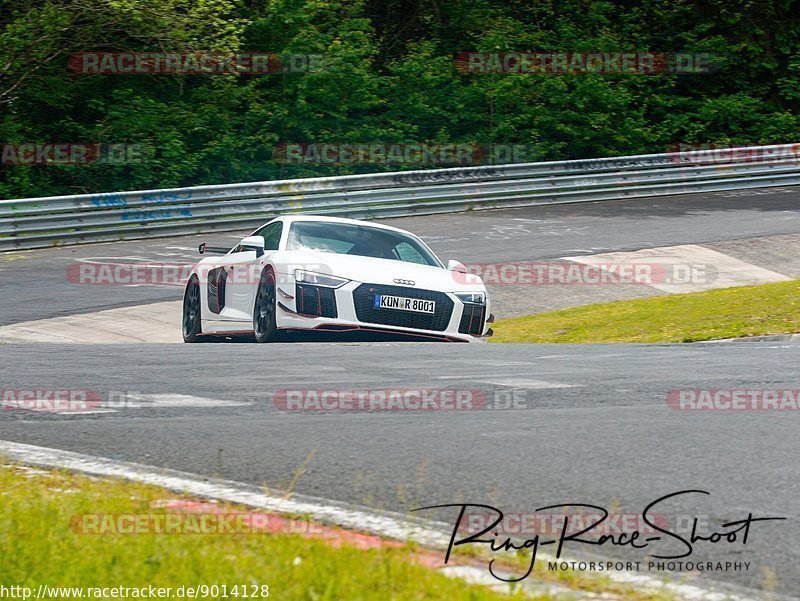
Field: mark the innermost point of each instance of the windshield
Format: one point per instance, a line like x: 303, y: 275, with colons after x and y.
x: 359, y: 240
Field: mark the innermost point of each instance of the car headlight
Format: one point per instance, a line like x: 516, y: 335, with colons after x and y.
x: 474, y: 298
x: 319, y: 279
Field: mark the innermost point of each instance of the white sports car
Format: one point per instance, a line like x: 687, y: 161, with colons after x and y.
x: 306, y: 272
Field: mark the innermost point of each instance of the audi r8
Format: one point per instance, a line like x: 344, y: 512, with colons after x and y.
x: 304, y: 272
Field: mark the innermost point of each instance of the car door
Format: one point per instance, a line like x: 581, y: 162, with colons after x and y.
x: 220, y: 290
x: 245, y: 272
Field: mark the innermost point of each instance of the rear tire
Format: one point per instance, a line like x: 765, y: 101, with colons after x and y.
x: 192, y: 326
x: 265, y: 327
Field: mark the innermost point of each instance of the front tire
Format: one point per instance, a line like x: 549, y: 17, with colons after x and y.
x: 191, y: 311
x: 265, y: 327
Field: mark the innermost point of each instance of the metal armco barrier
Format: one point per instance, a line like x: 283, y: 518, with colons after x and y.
x: 61, y: 220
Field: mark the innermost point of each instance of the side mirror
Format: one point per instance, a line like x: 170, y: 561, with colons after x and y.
x: 456, y: 266
x: 255, y: 243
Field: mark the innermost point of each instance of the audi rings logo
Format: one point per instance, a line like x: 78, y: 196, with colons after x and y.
x: 404, y: 282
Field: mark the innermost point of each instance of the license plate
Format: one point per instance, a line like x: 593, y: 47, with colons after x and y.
x: 402, y: 303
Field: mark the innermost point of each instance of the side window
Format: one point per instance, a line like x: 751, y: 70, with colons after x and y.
x: 408, y: 253
x: 272, y: 235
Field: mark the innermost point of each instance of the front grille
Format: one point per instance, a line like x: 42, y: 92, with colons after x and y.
x: 316, y: 301
x: 472, y: 319
x: 364, y: 301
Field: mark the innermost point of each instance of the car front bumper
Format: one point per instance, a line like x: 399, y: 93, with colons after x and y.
x: 350, y: 308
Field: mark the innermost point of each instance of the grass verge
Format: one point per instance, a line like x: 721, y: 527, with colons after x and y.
x: 54, y: 530
x: 714, y: 314
x: 39, y: 545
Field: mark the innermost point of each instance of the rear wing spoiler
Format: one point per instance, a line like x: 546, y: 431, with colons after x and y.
x: 203, y: 249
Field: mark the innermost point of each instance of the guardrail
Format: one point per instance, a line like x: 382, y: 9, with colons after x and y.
x: 59, y: 220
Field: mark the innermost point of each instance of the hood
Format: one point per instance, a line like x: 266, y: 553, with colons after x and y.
x: 379, y: 271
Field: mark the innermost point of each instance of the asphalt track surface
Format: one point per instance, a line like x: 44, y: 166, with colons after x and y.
x: 596, y: 427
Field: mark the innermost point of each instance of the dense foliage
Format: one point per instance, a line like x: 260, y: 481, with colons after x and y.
x: 389, y: 75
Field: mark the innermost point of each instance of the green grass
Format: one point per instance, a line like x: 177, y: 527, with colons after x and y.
x: 727, y: 313
x: 38, y: 546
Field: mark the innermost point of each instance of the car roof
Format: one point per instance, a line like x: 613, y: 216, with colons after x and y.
x: 302, y: 217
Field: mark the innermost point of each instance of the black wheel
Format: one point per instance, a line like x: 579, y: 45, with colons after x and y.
x: 264, y: 326
x: 191, y: 311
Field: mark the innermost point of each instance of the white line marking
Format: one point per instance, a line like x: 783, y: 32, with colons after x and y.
x: 530, y: 384
x: 392, y: 525
x: 513, y: 382
x: 142, y: 401
x: 79, y: 413
x: 160, y: 401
